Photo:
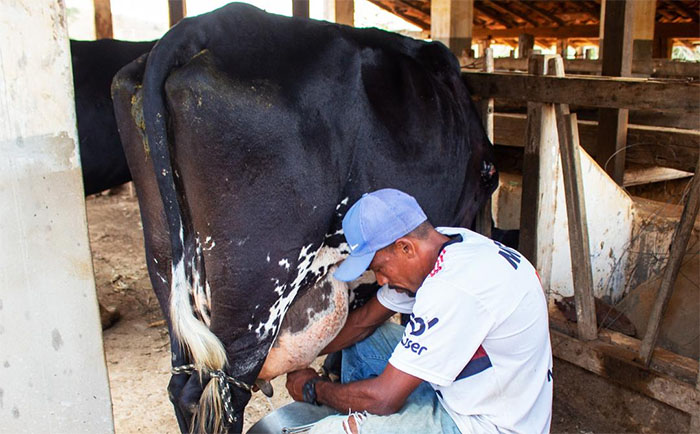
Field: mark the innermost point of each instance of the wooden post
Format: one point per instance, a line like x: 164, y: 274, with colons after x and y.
x: 527, y: 244
x: 663, y: 47
x: 300, y: 8
x: 563, y: 47
x: 616, y: 62
x: 103, y: 19
x: 567, y: 127
x: 345, y: 12
x: 677, y: 251
x: 526, y: 43
x: 451, y: 22
x: 177, y: 10
x: 484, y: 218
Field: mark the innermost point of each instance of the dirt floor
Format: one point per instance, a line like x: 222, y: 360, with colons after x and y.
x: 138, y: 357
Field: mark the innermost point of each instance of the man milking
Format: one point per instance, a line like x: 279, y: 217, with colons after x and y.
x: 475, y: 356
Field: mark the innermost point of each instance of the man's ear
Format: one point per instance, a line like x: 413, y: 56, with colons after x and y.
x: 406, y: 247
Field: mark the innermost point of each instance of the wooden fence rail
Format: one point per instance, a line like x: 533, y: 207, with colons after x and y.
x: 618, y: 92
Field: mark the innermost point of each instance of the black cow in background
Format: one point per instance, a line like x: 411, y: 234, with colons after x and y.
x: 101, y: 154
x: 94, y: 65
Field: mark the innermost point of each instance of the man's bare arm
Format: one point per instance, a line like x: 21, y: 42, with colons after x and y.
x: 360, y: 324
x: 382, y: 395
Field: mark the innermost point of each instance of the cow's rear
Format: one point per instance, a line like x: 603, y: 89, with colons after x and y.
x: 248, y: 135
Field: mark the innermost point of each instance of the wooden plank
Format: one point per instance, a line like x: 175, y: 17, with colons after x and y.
x: 619, y: 92
x: 103, y: 19
x: 177, y: 10
x: 527, y: 243
x: 653, y: 67
x: 605, y: 360
x: 300, y: 8
x: 664, y: 362
x: 637, y: 175
x: 567, y: 127
x: 677, y: 251
x: 665, y: 147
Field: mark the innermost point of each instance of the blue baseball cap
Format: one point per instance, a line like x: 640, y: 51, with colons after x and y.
x: 374, y: 222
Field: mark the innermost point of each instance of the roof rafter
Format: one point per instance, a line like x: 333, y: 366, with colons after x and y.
x: 536, y: 9
x: 493, y: 4
x: 479, y: 6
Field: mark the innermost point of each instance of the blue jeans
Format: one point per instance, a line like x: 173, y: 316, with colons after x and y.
x: 422, y: 412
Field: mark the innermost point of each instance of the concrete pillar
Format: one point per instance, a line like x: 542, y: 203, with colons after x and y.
x: 52, y: 368
x: 643, y: 33
x: 451, y: 22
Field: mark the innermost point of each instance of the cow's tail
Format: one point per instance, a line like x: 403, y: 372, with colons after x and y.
x: 207, y: 352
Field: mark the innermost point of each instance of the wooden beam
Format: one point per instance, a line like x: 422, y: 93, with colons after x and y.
x: 613, y: 363
x: 177, y: 10
x: 622, y: 92
x: 638, y: 175
x: 103, y: 19
x: 451, y: 24
x: 664, y: 362
x: 300, y: 8
x: 676, y: 254
x: 653, y: 67
x: 664, y: 147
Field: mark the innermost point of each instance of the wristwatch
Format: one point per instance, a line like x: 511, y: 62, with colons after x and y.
x: 309, y: 391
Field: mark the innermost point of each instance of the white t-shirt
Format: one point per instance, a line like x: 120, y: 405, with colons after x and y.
x: 479, y: 334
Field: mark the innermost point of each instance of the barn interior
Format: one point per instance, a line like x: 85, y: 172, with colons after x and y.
x: 592, y: 107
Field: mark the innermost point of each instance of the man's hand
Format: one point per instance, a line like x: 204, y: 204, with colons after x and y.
x: 296, y: 381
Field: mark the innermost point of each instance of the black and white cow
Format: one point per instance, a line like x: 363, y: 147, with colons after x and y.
x: 248, y: 136
x: 94, y: 65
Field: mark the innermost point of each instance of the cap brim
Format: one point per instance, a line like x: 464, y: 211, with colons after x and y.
x: 353, y: 267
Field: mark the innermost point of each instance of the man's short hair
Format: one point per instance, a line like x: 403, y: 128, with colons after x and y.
x: 421, y: 232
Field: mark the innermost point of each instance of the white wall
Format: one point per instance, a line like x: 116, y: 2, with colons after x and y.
x: 53, y: 377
